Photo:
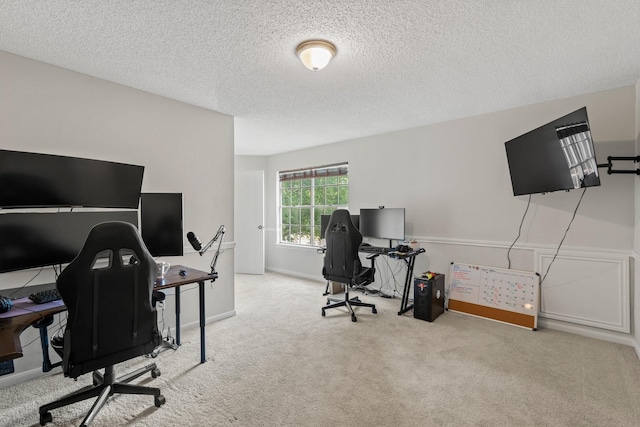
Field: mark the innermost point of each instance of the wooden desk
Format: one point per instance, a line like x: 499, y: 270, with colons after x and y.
x: 26, y: 313
x: 23, y: 314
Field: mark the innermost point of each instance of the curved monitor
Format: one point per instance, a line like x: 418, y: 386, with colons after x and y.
x: 45, y: 180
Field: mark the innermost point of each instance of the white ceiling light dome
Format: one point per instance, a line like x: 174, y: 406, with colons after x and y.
x: 316, y: 54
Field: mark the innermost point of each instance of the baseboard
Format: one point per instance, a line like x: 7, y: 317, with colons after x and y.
x: 21, y: 377
x: 210, y: 319
x: 586, y: 331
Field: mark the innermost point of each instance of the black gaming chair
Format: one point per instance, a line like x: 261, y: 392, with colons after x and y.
x: 107, y: 290
x: 342, y: 262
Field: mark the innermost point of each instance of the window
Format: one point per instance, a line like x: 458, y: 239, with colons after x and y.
x: 305, y: 195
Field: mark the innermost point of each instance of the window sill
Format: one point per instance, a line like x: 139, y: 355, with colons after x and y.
x: 302, y: 247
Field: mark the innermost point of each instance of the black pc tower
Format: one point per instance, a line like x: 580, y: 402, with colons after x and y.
x: 428, y: 297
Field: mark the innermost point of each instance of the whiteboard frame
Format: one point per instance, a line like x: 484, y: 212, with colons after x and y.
x: 502, y: 315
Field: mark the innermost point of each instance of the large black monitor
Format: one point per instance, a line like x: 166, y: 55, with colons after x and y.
x: 556, y: 156
x: 161, y: 223
x: 324, y: 222
x: 46, y: 180
x: 40, y: 239
x: 382, y: 223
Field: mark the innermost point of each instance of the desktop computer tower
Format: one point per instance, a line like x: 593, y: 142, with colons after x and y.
x: 428, y: 297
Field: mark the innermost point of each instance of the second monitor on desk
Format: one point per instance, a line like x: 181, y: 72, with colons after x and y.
x: 378, y: 223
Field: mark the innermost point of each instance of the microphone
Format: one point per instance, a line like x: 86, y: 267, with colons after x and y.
x: 195, y: 242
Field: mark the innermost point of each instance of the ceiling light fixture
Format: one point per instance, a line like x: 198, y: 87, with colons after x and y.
x: 315, y: 54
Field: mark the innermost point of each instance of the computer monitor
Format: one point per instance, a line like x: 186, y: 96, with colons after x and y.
x: 324, y: 222
x: 161, y: 223
x: 31, y: 239
x: 46, y: 180
x: 383, y: 223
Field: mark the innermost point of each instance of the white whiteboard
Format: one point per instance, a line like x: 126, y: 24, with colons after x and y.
x: 510, y: 296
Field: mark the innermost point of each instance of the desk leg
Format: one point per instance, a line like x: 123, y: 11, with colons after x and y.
x: 407, y: 286
x: 177, y: 288
x: 41, y: 325
x: 202, y: 323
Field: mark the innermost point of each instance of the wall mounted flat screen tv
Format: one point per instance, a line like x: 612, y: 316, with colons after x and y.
x: 557, y: 156
x: 46, y: 180
x: 32, y: 240
x: 385, y: 223
x: 161, y: 223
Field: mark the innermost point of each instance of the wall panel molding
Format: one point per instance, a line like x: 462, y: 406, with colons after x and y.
x: 586, y: 288
x: 518, y: 246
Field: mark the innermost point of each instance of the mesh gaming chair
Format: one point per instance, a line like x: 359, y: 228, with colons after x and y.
x: 107, y: 290
x: 342, y: 262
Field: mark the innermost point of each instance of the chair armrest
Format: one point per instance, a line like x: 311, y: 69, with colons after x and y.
x: 373, y: 257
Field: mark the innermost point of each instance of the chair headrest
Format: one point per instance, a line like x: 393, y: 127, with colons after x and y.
x: 113, y: 236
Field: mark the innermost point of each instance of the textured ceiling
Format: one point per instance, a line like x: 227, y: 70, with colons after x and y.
x: 400, y: 63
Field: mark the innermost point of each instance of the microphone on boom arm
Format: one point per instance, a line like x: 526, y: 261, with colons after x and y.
x: 195, y: 242
x: 197, y: 245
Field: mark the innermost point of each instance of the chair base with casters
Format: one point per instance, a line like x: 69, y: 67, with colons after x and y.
x: 349, y: 303
x: 104, y: 386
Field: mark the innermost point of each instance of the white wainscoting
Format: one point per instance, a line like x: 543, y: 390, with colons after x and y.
x: 586, y: 292
x: 586, y: 288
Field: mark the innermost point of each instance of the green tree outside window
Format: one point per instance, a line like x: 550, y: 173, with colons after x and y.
x: 304, y: 196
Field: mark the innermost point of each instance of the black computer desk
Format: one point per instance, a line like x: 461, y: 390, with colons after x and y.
x: 26, y: 313
x: 409, y: 259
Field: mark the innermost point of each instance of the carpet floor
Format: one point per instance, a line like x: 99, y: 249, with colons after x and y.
x: 278, y: 362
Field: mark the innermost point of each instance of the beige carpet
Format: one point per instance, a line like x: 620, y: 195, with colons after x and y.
x: 280, y: 363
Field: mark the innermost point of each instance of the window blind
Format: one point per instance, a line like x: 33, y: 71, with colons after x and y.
x: 338, y: 169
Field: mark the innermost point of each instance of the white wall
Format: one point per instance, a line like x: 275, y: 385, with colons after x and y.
x: 250, y: 163
x: 453, y: 180
x: 183, y: 148
x: 636, y: 246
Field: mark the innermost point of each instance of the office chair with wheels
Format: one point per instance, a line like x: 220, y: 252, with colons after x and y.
x: 342, y: 261
x: 107, y: 290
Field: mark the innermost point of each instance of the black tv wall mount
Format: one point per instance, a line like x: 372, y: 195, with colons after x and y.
x: 611, y: 159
